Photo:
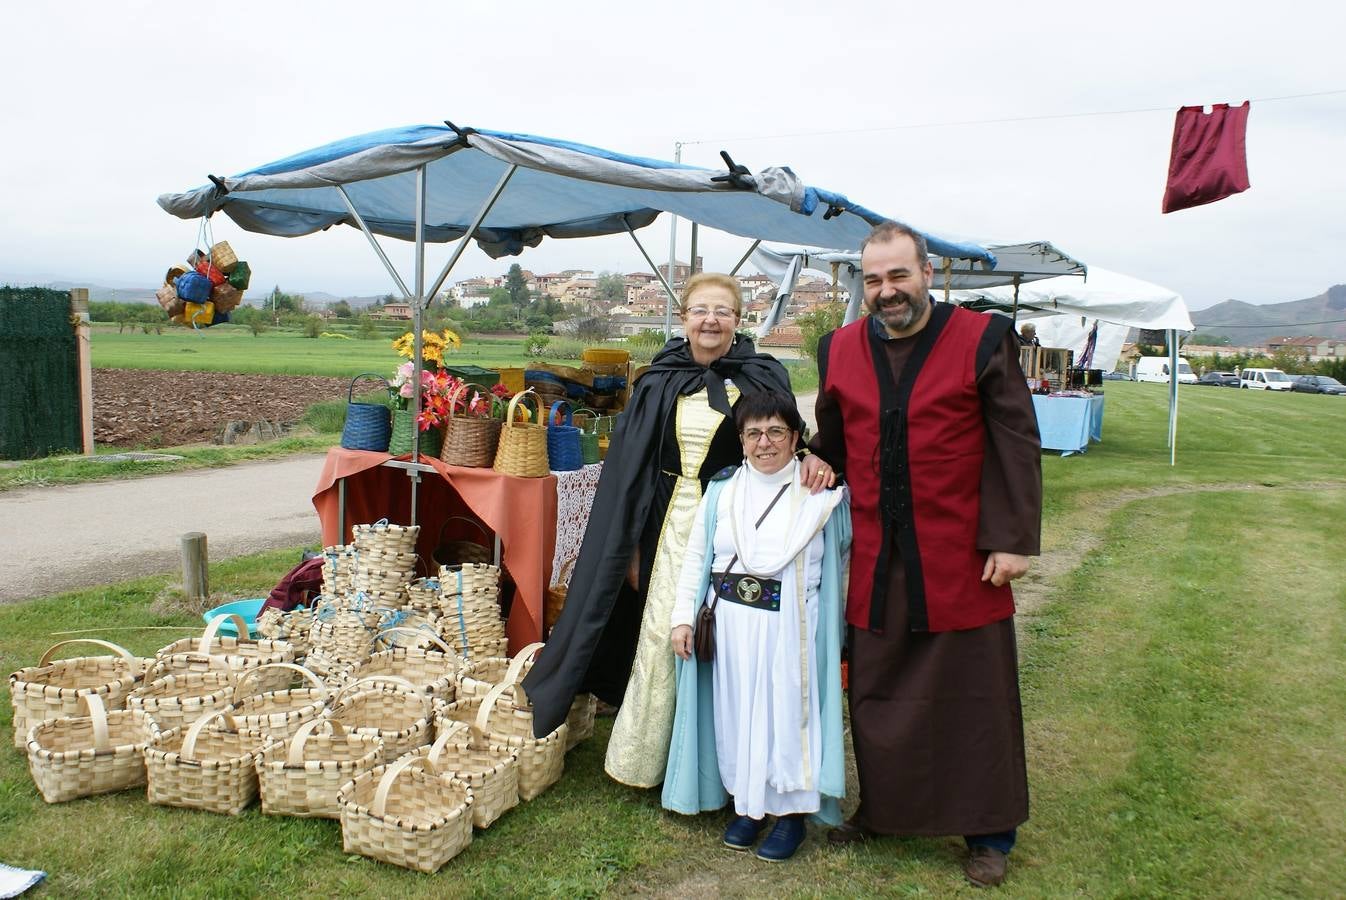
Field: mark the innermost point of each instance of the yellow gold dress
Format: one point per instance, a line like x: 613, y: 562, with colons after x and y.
x: 638, y: 748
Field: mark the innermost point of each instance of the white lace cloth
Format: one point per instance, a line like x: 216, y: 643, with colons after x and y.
x: 574, y: 498
x: 14, y: 882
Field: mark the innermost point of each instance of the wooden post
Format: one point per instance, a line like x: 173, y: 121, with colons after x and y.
x: 195, y: 566
x: 79, y: 319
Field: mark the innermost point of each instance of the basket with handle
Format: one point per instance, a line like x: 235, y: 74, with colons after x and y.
x: 53, y: 688
x: 385, y: 537
x: 479, y: 677
x: 586, y: 419
x: 175, y: 701
x: 222, y: 256
x: 505, y: 715
x: 292, y: 626
x: 556, y: 596
x: 471, y: 440
x: 302, y: 776
x: 278, y: 714
x: 402, y: 815
x: 523, y: 445
x: 404, y: 431
x: 489, y: 768
x: 563, y: 439
x: 79, y: 756
x: 457, y: 552
x: 432, y: 671
x: 368, y: 425
x: 213, y: 770
x: 580, y: 720
x: 470, y: 612
x: 388, y: 707
x: 211, y: 653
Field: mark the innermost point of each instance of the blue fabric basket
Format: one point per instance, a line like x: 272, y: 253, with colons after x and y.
x: 193, y: 287
x: 368, y: 425
x: 563, y: 440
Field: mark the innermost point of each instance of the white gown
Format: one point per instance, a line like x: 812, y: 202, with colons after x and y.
x: 767, y: 732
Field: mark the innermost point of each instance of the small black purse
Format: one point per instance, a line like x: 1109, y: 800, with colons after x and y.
x: 703, y: 637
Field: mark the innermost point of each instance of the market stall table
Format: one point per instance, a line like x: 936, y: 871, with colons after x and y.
x: 1069, y: 423
x: 520, y: 511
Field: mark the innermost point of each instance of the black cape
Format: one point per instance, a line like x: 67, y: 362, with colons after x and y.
x: 626, y: 490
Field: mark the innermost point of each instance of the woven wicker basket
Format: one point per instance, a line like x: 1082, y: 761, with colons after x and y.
x: 292, y: 626
x: 278, y: 714
x: 338, y: 570
x: 404, y: 816
x: 225, y: 654
x: 489, y: 768
x: 381, y: 537
x: 580, y: 720
x: 175, y: 701
x: 49, y: 689
x: 342, y: 634
x: 470, y: 440
x: 301, y: 777
x: 470, y: 611
x: 506, y: 716
x: 459, y: 552
x: 79, y: 756
x: 523, y: 445
x: 222, y: 256
x: 214, y: 770
x: 423, y: 595
x: 605, y: 357
x: 387, y: 707
x: 430, y: 671
x: 477, y: 679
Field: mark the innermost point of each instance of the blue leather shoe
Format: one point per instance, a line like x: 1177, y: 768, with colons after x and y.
x: 742, y: 832
x: 783, y: 840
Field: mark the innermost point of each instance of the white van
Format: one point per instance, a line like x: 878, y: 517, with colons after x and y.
x: 1265, y: 380
x: 1155, y: 368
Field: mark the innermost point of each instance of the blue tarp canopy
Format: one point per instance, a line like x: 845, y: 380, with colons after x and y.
x: 560, y: 189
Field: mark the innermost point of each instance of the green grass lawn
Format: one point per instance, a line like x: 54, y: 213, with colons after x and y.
x: 1184, y: 686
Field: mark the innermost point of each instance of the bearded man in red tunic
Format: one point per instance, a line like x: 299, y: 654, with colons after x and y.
x: 924, y: 409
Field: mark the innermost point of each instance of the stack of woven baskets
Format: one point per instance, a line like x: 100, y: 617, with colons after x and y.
x: 469, y: 610
x: 385, y: 560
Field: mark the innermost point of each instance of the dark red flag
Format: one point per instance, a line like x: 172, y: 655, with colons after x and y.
x: 1210, y: 158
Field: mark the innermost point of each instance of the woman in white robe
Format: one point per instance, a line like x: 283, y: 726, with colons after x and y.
x: 765, y: 554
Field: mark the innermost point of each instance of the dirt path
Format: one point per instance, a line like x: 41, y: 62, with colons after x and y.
x: 57, y: 539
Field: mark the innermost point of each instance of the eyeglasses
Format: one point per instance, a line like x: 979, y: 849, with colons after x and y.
x: 720, y: 312
x: 775, y: 433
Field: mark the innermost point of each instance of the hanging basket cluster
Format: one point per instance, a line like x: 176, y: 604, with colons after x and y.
x: 207, y: 288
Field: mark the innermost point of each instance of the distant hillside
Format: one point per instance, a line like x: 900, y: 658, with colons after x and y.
x: 1245, y: 324
x: 101, y: 294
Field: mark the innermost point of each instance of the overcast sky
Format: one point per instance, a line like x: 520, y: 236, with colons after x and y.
x: 107, y: 105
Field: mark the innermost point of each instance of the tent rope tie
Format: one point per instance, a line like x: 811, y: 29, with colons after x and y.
x: 462, y: 135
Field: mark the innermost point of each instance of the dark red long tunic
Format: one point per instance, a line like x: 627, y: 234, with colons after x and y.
x: 935, y: 716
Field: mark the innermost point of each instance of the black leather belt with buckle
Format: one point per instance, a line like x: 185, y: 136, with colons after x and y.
x: 748, y: 590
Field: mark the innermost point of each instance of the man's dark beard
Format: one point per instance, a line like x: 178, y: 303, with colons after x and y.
x: 915, y: 306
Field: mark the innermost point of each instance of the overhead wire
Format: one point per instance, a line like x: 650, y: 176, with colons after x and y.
x: 995, y: 121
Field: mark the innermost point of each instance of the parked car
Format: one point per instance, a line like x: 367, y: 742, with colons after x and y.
x: 1265, y: 380
x: 1116, y: 376
x: 1219, y: 379
x: 1317, y: 384
x: 1155, y: 368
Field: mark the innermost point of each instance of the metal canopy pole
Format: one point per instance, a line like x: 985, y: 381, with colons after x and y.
x: 672, y: 257
x: 672, y: 298
x: 691, y: 263
x: 383, y: 257
x: 741, y: 262
x: 471, y: 230
x: 417, y: 305
x: 1172, y: 397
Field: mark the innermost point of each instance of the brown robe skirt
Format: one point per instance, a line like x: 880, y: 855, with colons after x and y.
x: 937, y: 727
